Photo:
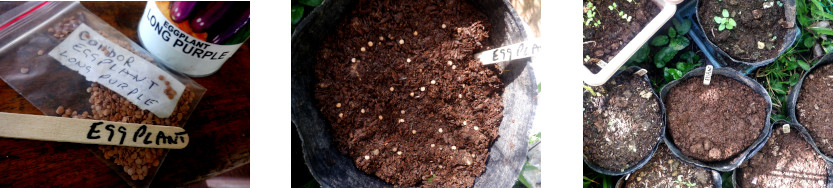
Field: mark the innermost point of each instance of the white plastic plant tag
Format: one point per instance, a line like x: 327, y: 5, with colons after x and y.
x: 508, y: 53
x: 707, y: 77
x: 785, y: 128
x: 100, y: 60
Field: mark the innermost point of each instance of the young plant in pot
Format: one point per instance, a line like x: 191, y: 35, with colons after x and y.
x: 718, y: 125
x: 389, y: 93
x: 609, y: 25
x: 811, y: 104
x: 786, y: 160
x: 665, y: 170
x: 753, y: 32
x: 623, y: 123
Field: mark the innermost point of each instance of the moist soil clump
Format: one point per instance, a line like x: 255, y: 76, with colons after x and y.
x: 664, y: 170
x: 404, y: 95
x: 814, y: 108
x: 714, y: 122
x: 622, y: 125
x: 759, y: 31
x: 787, y: 160
x: 606, y: 31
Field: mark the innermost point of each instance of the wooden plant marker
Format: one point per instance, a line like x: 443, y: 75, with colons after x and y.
x: 86, y: 131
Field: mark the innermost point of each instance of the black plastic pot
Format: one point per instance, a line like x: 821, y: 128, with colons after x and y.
x: 804, y: 134
x: 718, y: 180
x: 792, y: 99
x: 789, y: 37
x: 644, y: 160
x: 332, y: 169
x: 729, y: 164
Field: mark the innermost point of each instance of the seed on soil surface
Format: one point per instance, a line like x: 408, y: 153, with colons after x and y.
x: 433, y: 82
x: 412, y: 94
x: 399, y: 152
x: 422, y: 89
x: 441, y: 130
x: 408, y: 60
x: 338, y: 105
x: 394, y: 149
x: 40, y: 52
x: 472, y: 155
x: 362, y: 110
x: 459, y: 30
x: 340, y: 115
x: 381, y: 38
x: 401, y: 41
x: 353, y: 60
x: 464, y: 122
x: 401, y: 120
x: 453, y: 67
x: 391, y: 88
x: 380, y: 117
x: 460, y: 96
x: 376, y: 152
x: 24, y: 70
x: 363, y: 49
x: 370, y: 43
x: 453, y: 147
x: 449, y: 63
x: 413, y: 131
x: 475, y: 128
x: 402, y: 111
x: 415, y: 33
x: 443, y: 26
x: 432, y: 145
x: 761, y: 45
x: 366, y: 157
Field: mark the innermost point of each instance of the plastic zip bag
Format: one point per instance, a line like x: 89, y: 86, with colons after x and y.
x: 68, y: 62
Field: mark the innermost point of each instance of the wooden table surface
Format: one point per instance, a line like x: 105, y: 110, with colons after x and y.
x: 219, y: 128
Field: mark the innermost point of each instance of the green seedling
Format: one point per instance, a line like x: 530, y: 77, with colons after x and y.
x: 725, y: 22
x: 590, y: 90
x: 681, y: 183
x: 590, y: 16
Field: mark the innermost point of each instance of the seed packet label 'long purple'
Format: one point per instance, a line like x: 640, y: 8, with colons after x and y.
x: 100, y: 60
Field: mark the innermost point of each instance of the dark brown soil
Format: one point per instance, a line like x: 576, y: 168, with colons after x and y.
x: 787, y: 160
x: 623, y: 125
x: 814, y: 108
x: 715, y: 122
x: 663, y: 170
x: 604, y: 41
x: 754, y: 24
x: 415, y: 108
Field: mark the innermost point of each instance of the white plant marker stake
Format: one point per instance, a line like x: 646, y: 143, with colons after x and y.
x: 785, y: 128
x: 707, y: 77
x: 511, y: 52
x: 87, y: 131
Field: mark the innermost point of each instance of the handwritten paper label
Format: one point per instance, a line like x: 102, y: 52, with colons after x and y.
x: 102, y: 61
x: 511, y: 52
x: 707, y: 77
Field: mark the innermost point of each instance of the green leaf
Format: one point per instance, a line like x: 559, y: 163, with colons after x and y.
x: 539, y: 87
x: 731, y: 24
x: 683, y: 27
x: 779, y: 88
x: 312, y: 3
x: 672, y: 32
x: 803, y: 64
x: 663, y: 56
x: 297, y: 12
x: 725, y: 13
x: 822, y: 30
x: 722, y: 26
x: 823, y: 14
x: 641, y: 55
x: 678, y: 43
x: 793, y: 79
x: 671, y: 74
x: 718, y: 19
x: 809, y: 41
x: 523, y: 181
x: 659, y: 40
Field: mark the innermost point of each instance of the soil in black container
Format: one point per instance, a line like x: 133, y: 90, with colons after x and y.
x: 787, y: 160
x: 664, y: 170
x: 714, y: 122
x: 814, y: 108
x: 759, y: 28
x: 404, y: 95
x: 608, y: 27
x: 622, y: 124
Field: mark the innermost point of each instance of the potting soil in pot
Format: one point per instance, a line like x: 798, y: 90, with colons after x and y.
x: 405, y: 97
x: 714, y: 122
x: 608, y: 27
x: 787, y: 160
x: 663, y: 170
x: 758, y: 31
x: 623, y: 124
x: 814, y: 108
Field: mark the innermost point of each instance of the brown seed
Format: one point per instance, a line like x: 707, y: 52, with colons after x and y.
x: 413, y: 131
x: 475, y: 128
x: 416, y: 33
x: 399, y: 152
x: 443, y: 26
x: 449, y: 63
x: 422, y: 88
x: 381, y: 38
x: 453, y: 67
x: 408, y: 60
x: 432, y: 145
x: 24, y: 70
x: 338, y: 105
x: 362, y: 110
x: 453, y: 147
x: 401, y: 41
x: 353, y: 60
x: 340, y: 115
x: 161, y: 77
x: 412, y: 94
x: 402, y: 111
x: 370, y: 43
x: 60, y: 110
x: 380, y: 117
x: 363, y: 49
x: 441, y: 130
x: 40, y: 52
x: 391, y: 88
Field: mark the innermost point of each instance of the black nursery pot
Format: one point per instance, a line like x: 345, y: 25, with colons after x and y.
x: 792, y: 100
x: 731, y: 163
x: 804, y: 134
x: 789, y: 37
x: 718, y: 180
x: 332, y: 169
x: 644, y: 160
